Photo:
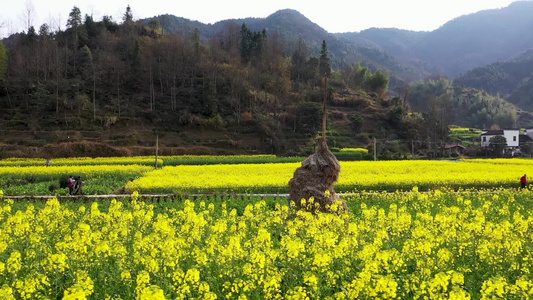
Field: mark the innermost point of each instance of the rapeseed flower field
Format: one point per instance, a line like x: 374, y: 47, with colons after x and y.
x: 82, y: 161
x: 151, y: 160
x: 18, y: 176
x: 469, y: 237
x: 42, y: 180
x: 354, y: 176
x: 436, y: 245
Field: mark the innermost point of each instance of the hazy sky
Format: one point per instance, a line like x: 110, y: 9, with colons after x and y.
x: 334, y: 16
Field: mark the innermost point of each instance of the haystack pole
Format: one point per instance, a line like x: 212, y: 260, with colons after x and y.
x: 317, y: 174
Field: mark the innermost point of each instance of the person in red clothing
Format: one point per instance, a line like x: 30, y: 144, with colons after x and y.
x: 71, y: 182
x: 523, y: 181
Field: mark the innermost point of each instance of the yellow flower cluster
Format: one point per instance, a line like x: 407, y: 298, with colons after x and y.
x: 362, y: 150
x: 438, y: 245
x: 464, y: 130
x: 212, y: 177
x: 391, y: 175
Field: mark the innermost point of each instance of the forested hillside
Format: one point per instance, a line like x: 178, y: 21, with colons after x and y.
x: 461, y: 44
x: 103, y: 80
x: 117, y: 87
x: 511, y: 79
x: 463, y: 106
x: 290, y: 26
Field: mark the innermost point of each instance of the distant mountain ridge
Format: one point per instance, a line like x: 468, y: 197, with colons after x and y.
x: 463, y: 43
x: 478, y: 39
x: 459, y: 45
x: 291, y: 25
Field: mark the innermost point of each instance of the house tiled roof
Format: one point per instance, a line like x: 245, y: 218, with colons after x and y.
x: 493, y: 132
x: 450, y: 146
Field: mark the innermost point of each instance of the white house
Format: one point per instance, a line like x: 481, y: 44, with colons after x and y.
x: 511, y: 135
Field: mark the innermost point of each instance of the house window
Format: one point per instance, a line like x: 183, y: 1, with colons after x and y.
x: 514, y: 138
x: 484, y: 139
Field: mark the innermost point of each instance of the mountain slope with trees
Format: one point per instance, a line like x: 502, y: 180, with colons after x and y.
x: 290, y: 26
x: 481, y: 38
x: 124, y: 83
x: 522, y: 96
x: 462, y: 106
x: 461, y: 44
x: 511, y: 79
x: 224, y: 88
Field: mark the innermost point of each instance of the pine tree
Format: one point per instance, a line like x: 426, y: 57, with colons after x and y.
x: 74, y: 18
x: 324, y: 67
x: 128, y: 16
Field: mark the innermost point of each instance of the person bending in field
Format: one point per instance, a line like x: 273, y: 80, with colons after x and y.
x: 77, y: 186
x: 70, y: 184
x: 523, y: 181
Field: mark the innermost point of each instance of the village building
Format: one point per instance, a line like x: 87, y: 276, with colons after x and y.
x: 512, y: 136
x: 454, y: 149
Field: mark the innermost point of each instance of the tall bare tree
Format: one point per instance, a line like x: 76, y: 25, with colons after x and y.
x: 28, y: 15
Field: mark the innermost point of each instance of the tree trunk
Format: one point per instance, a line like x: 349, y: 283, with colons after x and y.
x: 94, y: 98
x: 118, y: 93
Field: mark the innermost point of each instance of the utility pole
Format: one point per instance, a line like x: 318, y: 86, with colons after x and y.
x: 94, y: 97
x: 156, y: 150
x: 324, y: 113
x: 375, y: 150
